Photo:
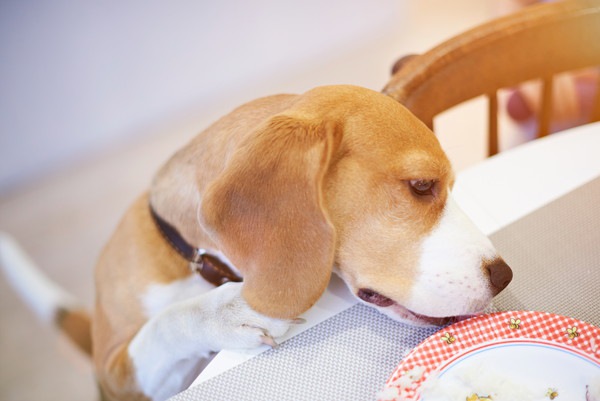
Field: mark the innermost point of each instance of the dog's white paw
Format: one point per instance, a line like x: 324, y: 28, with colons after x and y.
x: 233, y: 324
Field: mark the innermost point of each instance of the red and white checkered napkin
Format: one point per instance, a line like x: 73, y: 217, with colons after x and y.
x: 439, y: 350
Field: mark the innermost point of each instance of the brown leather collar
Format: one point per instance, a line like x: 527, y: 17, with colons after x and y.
x: 208, y: 266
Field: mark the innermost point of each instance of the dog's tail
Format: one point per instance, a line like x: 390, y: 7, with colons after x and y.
x: 50, y: 303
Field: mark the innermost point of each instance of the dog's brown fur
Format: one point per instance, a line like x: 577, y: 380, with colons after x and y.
x: 286, y: 187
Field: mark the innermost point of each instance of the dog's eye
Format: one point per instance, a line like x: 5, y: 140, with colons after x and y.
x: 422, y: 187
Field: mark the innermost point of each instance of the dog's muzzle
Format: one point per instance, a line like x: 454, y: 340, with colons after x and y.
x: 377, y: 299
x: 499, y: 274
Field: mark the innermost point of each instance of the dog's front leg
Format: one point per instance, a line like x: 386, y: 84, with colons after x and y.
x: 168, y: 347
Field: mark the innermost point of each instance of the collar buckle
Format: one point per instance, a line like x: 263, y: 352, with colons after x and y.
x: 209, y: 266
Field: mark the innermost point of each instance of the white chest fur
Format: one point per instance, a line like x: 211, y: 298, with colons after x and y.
x: 160, y: 296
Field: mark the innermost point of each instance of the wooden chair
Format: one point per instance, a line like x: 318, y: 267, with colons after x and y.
x: 537, y: 42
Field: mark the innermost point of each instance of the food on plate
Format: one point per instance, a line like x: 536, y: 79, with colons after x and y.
x: 396, y: 390
x: 447, y: 394
x: 592, y: 391
x: 477, y: 397
x: 480, y: 383
x: 484, y: 383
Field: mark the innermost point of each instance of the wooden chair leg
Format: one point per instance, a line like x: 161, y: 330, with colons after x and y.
x: 546, y: 107
x: 596, y: 107
x: 492, y: 123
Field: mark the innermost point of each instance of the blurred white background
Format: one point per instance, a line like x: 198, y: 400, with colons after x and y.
x: 95, y: 96
x: 77, y: 76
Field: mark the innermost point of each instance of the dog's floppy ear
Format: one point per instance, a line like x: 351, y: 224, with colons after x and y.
x: 266, y: 211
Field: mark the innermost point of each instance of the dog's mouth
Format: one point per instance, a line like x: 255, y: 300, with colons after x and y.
x: 403, y: 313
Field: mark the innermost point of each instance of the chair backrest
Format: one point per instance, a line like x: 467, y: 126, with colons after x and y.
x: 537, y: 42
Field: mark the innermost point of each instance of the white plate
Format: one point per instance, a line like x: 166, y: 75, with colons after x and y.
x: 514, y: 355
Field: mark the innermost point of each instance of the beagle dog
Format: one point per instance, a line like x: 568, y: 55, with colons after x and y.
x: 281, y: 192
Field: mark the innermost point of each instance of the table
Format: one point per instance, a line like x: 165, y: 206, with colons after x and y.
x: 540, y: 205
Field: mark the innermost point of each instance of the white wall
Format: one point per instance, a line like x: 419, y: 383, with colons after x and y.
x: 76, y: 76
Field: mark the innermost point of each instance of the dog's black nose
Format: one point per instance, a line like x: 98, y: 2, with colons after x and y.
x: 500, y: 274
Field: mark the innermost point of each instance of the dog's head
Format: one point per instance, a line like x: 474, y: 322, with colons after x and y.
x: 348, y: 178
